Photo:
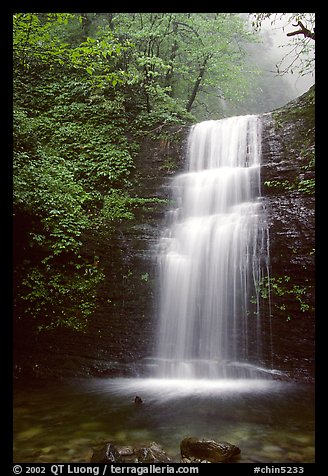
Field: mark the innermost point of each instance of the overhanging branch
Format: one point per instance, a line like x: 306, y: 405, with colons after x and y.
x: 302, y: 31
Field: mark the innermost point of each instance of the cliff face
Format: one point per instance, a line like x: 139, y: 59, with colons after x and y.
x: 288, y: 189
x: 122, y: 330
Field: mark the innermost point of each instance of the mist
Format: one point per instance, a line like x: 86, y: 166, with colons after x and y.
x: 267, y: 59
x: 278, y: 46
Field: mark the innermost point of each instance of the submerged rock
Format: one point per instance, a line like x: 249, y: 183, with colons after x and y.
x: 208, y: 450
x: 152, y: 454
x: 111, y: 453
x: 138, y: 400
x: 106, y: 454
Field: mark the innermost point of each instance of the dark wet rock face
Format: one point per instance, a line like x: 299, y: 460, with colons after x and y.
x: 288, y: 190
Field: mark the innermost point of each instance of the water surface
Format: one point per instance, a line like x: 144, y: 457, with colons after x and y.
x: 270, y: 420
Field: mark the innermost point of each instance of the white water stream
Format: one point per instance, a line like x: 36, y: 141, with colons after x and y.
x: 213, y: 256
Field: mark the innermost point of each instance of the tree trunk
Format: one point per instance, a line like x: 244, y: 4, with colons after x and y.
x: 86, y: 23
x: 174, y: 50
x: 197, y: 84
x: 109, y: 18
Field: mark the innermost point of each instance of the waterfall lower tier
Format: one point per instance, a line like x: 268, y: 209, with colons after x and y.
x: 213, y: 256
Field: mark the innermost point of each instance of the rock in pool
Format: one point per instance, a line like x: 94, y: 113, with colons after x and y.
x: 209, y: 450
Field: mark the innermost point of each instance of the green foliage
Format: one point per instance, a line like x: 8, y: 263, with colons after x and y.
x: 305, y: 186
x: 169, y: 164
x: 178, y: 55
x: 72, y: 163
x: 287, y: 295
x: 55, y: 198
x: 70, y: 145
x: 64, y: 298
x: 85, y: 87
x: 145, y: 277
x: 39, y: 40
x: 115, y: 206
x: 118, y: 205
x: 279, y: 184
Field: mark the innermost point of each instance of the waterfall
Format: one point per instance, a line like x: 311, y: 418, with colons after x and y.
x: 213, y: 256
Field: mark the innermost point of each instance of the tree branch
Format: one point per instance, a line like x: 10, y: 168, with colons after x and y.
x: 302, y: 31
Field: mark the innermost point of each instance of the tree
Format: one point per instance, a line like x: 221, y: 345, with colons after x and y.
x: 178, y: 54
x: 216, y: 56
x: 45, y: 41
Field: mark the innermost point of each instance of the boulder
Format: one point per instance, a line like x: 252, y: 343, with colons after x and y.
x: 207, y: 450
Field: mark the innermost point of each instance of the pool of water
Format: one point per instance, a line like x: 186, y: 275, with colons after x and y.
x: 270, y: 420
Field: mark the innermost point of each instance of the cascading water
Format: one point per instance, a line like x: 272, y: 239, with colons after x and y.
x: 213, y: 256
